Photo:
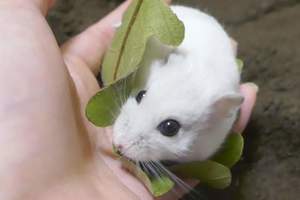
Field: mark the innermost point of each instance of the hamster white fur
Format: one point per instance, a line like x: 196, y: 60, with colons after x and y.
x: 197, y: 87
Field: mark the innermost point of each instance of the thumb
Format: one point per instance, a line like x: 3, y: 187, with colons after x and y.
x: 42, y: 5
x: 249, y: 91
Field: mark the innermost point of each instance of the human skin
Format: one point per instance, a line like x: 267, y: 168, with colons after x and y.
x: 48, y: 149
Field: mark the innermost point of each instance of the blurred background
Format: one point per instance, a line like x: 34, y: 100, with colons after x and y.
x: 268, y: 33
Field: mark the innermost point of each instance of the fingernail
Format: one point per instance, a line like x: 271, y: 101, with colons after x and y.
x: 253, y: 86
x: 117, y: 25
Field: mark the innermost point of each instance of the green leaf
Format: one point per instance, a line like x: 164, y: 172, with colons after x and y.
x: 231, y: 151
x: 124, y: 62
x: 161, y: 185
x: 157, y: 186
x: 142, y: 20
x: 208, y: 172
x: 104, y: 107
x: 240, y: 64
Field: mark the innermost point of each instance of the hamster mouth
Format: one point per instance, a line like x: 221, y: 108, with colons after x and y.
x: 149, y: 169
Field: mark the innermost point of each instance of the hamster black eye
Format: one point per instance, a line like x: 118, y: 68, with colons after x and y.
x: 140, y: 96
x: 169, y: 127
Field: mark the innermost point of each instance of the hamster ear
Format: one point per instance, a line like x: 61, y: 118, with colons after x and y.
x: 226, y: 105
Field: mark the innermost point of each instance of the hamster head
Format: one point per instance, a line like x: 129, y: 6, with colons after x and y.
x: 174, y: 117
x: 190, y: 100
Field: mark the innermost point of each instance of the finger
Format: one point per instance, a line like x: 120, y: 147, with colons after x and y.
x: 51, y: 3
x: 46, y: 5
x: 249, y: 91
x: 41, y: 6
x: 90, y: 45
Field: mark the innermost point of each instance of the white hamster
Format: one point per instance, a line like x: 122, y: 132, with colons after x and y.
x: 190, y: 100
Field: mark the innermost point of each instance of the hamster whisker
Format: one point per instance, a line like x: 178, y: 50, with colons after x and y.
x: 143, y: 167
x: 114, y: 114
x: 174, y: 177
x: 183, y: 185
x: 160, y: 173
x: 174, y: 190
x: 156, y: 167
x: 123, y: 92
x: 151, y: 170
x: 117, y: 96
x: 111, y: 113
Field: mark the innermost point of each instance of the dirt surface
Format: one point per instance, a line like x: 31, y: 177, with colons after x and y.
x: 268, y: 32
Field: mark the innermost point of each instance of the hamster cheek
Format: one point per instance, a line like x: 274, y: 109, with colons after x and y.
x: 173, y: 148
x: 122, y: 123
x: 184, y: 144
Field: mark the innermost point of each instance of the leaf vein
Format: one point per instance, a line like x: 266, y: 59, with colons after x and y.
x: 131, y: 23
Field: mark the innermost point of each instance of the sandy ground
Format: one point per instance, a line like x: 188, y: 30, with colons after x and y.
x: 268, y: 32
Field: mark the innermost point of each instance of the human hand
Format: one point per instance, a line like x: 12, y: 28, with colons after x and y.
x: 48, y: 149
